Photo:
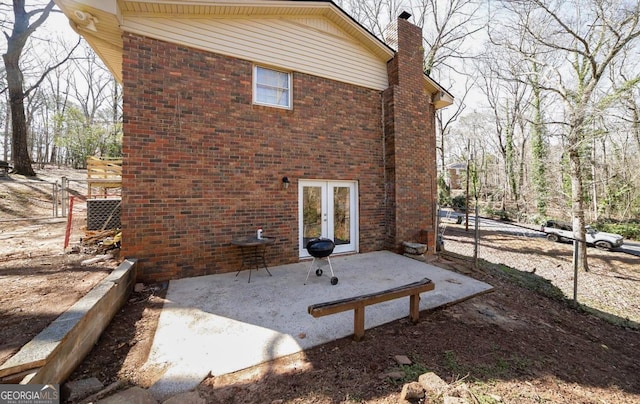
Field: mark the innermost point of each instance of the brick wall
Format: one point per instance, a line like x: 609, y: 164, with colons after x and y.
x: 410, y: 163
x: 202, y: 165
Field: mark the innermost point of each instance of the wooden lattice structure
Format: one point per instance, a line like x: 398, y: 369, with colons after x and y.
x: 104, y: 175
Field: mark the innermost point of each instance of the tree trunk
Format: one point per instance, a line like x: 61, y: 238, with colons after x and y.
x: 443, y: 167
x: 7, y: 122
x: 635, y: 127
x: 19, y: 148
x: 53, y: 159
x: 22, y: 29
x: 510, y: 164
x: 577, y: 207
x: 539, y: 152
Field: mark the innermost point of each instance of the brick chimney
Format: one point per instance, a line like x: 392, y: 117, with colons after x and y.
x: 410, y: 144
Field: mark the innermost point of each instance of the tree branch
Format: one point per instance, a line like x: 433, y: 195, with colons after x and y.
x: 51, y: 68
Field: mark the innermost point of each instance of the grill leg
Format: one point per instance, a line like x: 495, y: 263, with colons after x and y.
x: 309, y: 271
x: 319, y: 260
x: 330, y: 267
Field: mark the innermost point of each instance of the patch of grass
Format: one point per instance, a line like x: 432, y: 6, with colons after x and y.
x: 354, y: 398
x: 528, y: 280
x: 451, y: 362
x: 544, y: 287
x: 482, y: 397
x: 412, y: 372
x: 610, y: 318
x: 502, y: 367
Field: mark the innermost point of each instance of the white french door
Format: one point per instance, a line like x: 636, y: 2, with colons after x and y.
x: 328, y: 209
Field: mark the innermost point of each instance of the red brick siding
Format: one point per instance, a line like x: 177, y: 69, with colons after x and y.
x: 410, y: 144
x: 203, y: 165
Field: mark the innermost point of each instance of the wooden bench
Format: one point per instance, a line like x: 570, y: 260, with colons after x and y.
x: 358, y: 303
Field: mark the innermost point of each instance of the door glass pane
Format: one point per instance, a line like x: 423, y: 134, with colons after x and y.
x: 341, y: 215
x: 312, y: 213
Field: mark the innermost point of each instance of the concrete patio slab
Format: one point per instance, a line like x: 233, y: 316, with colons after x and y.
x: 219, y: 324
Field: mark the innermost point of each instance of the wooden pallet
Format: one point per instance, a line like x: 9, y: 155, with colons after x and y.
x: 103, y: 174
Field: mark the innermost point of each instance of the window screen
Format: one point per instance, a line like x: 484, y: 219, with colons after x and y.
x: 272, y: 87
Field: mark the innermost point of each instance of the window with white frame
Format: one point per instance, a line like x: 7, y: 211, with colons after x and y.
x: 271, y: 87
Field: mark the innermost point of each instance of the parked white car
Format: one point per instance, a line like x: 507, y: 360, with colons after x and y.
x: 559, y: 231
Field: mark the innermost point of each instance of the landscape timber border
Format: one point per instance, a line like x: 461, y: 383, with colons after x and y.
x: 51, y: 356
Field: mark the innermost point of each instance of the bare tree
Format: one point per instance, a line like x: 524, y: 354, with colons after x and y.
x: 375, y: 15
x: 95, y: 92
x: 588, y: 36
x: 59, y: 86
x: 508, y: 97
x: 446, y: 26
x: 6, y: 114
x: 615, y: 180
x: 444, y: 124
x: 539, y: 146
x: 92, y: 83
x: 25, y: 23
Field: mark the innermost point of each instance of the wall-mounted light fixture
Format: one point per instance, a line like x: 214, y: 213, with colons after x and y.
x: 285, y: 182
x: 86, y: 20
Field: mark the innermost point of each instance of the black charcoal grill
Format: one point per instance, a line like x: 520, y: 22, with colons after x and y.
x: 320, y: 249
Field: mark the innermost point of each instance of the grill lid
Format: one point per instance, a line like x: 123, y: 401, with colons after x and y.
x: 320, y: 247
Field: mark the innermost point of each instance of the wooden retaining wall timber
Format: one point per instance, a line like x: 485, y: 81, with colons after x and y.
x: 53, y: 354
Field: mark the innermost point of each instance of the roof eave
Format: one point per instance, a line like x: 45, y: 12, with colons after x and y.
x: 440, y: 97
x: 105, y: 36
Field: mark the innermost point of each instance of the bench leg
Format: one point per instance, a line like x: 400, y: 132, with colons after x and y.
x: 414, y: 308
x: 358, y: 323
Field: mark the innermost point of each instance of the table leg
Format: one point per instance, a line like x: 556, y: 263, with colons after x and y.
x: 254, y: 255
x: 264, y: 261
x: 246, y: 254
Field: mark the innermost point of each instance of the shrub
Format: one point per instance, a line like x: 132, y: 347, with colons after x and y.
x: 627, y: 230
x: 459, y: 202
x: 444, y: 192
x: 499, y: 213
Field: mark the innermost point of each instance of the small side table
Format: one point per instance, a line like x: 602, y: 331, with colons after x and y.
x: 253, y: 251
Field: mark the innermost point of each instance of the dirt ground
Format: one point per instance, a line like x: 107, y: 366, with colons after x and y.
x: 522, y: 343
x: 38, y: 280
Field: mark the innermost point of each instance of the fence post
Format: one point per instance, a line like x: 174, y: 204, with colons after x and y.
x: 54, y: 197
x: 67, y: 234
x: 63, y: 198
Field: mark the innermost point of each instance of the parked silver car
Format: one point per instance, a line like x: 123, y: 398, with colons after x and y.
x: 562, y: 231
